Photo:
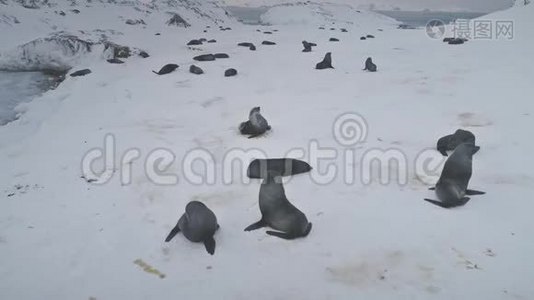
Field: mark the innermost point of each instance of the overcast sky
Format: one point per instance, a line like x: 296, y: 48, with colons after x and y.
x: 471, y: 5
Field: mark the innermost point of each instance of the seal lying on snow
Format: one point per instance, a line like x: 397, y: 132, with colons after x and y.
x: 166, y: 69
x: 259, y: 168
x: 198, y: 224
x: 278, y: 213
x: 451, y: 187
x: 256, y: 124
x: 451, y: 141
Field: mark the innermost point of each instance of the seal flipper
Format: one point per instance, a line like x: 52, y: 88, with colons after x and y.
x: 209, y: 243
x: 474, y: 192
x: 282, y: 235
x: 461, y: 202
x: 257, y: 225
x: 155, y: 72
x: 173, y: 233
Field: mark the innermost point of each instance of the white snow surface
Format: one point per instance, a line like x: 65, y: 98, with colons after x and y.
x: 64, y: 238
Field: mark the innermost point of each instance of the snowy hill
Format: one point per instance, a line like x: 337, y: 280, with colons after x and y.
x: 315, y: 13
x: 64, y: 235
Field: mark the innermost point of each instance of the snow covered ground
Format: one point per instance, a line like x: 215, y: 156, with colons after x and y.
x: 64, y: 238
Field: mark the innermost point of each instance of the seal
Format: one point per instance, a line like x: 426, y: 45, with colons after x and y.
x: 369, y: 65
x: 115, y: 61
x: 259, y: 168
x: 166, y: 69
x: 278, y: 213
x: 451, y: 141
x: 256, y: 124
x: 308, y: 46
x: 198, y: 224
x: 204, y: 57
x: 80, y: 73
x: 451, y: 187
x: 230, y: 72
x: 326, y: 63
x: 195, y: 70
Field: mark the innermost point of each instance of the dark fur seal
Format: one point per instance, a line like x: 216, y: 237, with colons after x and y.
x: 369, y: 65
x: 221, y: 55
x: 204, y: 57
x: 166, y: 69
x: 198, y: 224
x: 278, y: 213
x: 230, y: 72
x: 194, y: 43
x: 451, y: 141
x: 363, y: 38
x: 268, y: 43
x: 308, y: 46
x: 115, y: 61
x: 245, y: 44
x: 334, y: 40
x: 259, y: 168
x: 451, y: 187
x: 252, y: 48
x: 326, y: 63
x: 370, y: 36
x: 196, y: 70
x: 256, y: 124
x: 80, y: 73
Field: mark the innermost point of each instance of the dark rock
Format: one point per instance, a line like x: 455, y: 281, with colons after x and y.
x: 194, y: 43
x: 230, y: 73
x: 204, y: 57
x: 195, y: 70
x: 252, y: 48
x: 326, y: 63
x: 80, y: 73
x: 135, y: 22
x: 176, y: 20
x: 143, y: 54
x: 333, y: 40
x: 115, y: 61
x: 221, y: 55
x: 117, y: 51
x: 268, y: 43
x: 405, y: 26
x: 363, y: 38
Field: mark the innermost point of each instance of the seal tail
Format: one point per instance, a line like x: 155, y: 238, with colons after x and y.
x: 173, y: 233
x: 155, y: 72
x: 209, y: 243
